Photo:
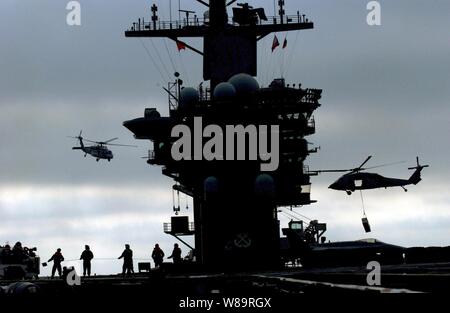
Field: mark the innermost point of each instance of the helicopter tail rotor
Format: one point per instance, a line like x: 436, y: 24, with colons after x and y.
x: 415, y: 177
x: 418, y: 167
x: 80, y: 139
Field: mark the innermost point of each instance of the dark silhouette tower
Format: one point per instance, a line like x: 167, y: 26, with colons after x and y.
x: 235, y: 204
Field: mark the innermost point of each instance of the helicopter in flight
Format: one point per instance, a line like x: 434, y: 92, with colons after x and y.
x: 99, y: 150
x: 356, y: 179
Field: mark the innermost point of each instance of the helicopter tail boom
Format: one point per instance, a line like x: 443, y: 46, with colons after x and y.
x: 415, y: 177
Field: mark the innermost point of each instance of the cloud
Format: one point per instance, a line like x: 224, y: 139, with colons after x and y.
x: 419, y: 217
x: 385, y: 94
x: 105, y: 217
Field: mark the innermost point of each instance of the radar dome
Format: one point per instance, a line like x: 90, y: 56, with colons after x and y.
x: 211, y: 185
x: 224, y: 91
x: 244, y: 83
x: 211, y: 188
x: 265, y: 185
x: 188, y: 97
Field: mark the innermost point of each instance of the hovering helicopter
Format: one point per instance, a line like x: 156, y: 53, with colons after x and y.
x: 355, y: 179
x: 99, y: 151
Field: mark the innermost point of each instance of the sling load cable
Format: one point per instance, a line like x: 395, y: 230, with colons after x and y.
x: 364, y: 219
x: 155, y: 64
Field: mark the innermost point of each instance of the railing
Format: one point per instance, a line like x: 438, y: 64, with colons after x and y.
x: 142, y: 25
x: 168, y: 227
x: 312, y: 96
x: 151, y: 155
x: 312, y: 123
x: 305, y: 169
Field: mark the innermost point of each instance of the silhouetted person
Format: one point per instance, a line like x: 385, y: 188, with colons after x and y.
x: 157, y: 255
x: 87, y: 256
x: 127, y: 256
x: 176, y: 254
x: 6, y: 254
x: 57, y: 258
x: 18, y: 252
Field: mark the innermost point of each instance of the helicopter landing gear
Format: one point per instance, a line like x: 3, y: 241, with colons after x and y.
x: 406, y: 190
x: 349, y: 192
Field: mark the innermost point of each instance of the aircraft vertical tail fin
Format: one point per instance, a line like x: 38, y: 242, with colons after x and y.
x: 81, y: 147
x: 81, y: 140
x: 415, y: 177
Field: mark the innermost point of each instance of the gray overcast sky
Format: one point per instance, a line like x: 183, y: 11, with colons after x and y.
x: 386, y: 93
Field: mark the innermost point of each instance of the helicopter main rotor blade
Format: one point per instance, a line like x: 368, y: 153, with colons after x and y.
x: 361, y: 166
x: 91, y: 141
x: 108, y: 141
x: 120, y: 145
x: 353, y: 170
x: 383, y: 165
x: 332, y: 171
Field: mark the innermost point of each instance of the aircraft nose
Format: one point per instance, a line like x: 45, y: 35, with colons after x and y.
x: 333, y: 186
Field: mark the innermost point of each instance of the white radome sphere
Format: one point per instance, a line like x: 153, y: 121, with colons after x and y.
x: 188, y: 96
x: 224, y: 91
x: 244, y: 83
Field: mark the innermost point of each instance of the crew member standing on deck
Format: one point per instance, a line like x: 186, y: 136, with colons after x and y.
x: 176, y: 254
x: 158, y: 255
x: 57, y: 259
x: 87, y: 257
x: 127, y: 256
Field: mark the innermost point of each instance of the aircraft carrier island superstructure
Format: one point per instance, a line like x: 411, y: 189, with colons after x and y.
x: 235, y: 202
